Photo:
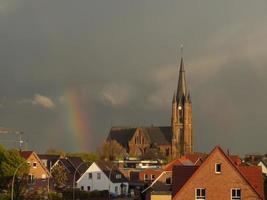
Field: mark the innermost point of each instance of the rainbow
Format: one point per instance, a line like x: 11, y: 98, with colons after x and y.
x: 76, y: 118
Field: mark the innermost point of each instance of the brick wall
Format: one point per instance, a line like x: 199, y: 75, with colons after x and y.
x: 218, y: 186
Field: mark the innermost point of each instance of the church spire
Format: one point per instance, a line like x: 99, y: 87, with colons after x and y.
x: 181, y: 88
x: 174, y: 98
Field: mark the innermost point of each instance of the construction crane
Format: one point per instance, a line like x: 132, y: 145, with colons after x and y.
x: 13, y: 131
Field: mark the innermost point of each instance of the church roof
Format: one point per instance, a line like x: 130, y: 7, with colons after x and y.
x: 121, y: 134
x: 156, y: 135
x: 159, y: 135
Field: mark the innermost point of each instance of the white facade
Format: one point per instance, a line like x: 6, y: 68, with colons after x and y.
x: 95, y: 179
x: 263, y: 167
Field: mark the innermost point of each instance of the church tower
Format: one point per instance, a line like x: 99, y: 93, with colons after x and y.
x: 181, y: 121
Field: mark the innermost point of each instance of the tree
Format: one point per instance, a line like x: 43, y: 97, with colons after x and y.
x: 86, y: 157
x: 59, y: 176
x: 56, y: 152
x: 9, y: 161
x: 111, y: 150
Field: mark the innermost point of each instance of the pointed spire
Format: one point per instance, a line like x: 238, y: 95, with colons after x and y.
x: 189, y: 97
x: 174, y: 98
x: 181, y: 88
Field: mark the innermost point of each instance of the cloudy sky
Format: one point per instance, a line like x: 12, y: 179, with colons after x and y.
x: 72, y: 69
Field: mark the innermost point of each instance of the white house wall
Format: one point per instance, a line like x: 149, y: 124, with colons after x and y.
x: 97, y: 184
x: 263, y: 168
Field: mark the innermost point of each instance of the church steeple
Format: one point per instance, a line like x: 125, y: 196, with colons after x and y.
x: 181, y: 88
x: 182, y: 142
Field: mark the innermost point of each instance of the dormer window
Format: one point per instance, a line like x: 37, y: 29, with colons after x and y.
x: 218, y: 168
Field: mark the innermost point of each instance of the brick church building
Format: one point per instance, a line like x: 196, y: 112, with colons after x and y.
x: 174, y: 140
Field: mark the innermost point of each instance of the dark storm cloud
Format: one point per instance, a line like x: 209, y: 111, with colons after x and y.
x: 123, y: 55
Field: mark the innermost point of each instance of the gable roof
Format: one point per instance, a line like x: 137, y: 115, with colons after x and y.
x: 196, y: 157
x: 254, y: 175
x: 111, y: 169
x: 27, y: 154
x: 49, y: 157
x: 121, y: 135
x: 170, y: 165
x: 157, y: 135
x: 181, y: 175
x: 246, y: 175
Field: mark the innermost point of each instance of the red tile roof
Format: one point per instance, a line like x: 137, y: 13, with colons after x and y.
x: 254, y: 175
x: 194, y: 157
x: 170, y: 165
x: 236, y: 159
x: 180, y: 175
x: 25, y: 154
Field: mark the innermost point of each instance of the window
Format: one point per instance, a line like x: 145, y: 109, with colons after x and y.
x: 43, y: 177
x: 145, y: 177
x: 90, y: 175
x: 98, y: 176
x: 29, y: 163
x: 153, y: 177
x: 82, y: 188
x: 118, y: 176
x: 31, y: 179
x: 236, y: 194
x: 218, y: 168
x: 88, y: 188
x: 34, y: 164
x: 116, y: 189
x: 200, y: 194
x: 168, y: 180
x: 167, y: 152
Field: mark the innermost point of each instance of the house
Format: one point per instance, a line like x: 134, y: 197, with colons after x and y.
x: 263, y: 165
x: 38, y: 174
x: 103, y: 175
x: 72, y: 165
x: 49, y: 160
x: 218, y: 177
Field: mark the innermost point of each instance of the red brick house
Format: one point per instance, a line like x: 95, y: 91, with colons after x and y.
x: 38, y: 174
x: 219, y: 177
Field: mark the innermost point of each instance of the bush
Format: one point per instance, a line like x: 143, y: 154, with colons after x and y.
x: 4, y: 197
x: 55, y: 196
x: 84, y: 195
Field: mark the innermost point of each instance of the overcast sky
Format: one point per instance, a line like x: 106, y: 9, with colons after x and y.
x: 117, y: 59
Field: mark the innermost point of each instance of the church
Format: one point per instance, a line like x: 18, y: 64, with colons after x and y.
x: 174, y: 140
